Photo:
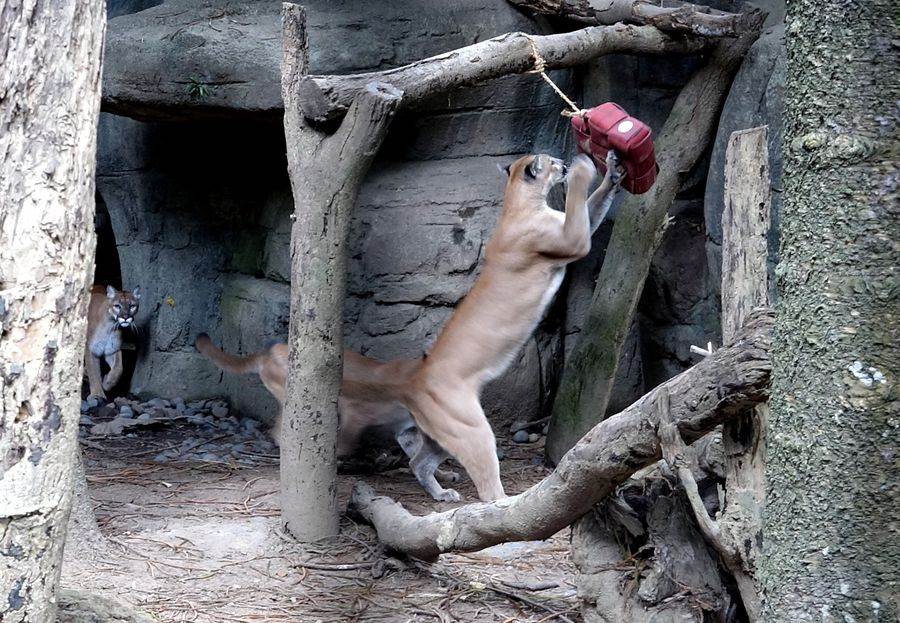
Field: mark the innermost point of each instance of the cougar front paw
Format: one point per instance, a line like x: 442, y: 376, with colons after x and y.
x: 445, y: 475
x: 447, y: 495
x: 108, y: 383
x: 582, y: 169
x: 613, y: 168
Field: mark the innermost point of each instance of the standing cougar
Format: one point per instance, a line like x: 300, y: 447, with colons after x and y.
x: 109, y: 313
x: 524, y: 265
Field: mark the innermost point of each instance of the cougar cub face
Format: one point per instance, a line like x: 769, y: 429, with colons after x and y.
x: 122, y: 306
x: 541, y: 171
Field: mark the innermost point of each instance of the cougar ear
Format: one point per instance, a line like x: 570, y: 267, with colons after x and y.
x: 504, y: 170
x: 534, y: 167
x: 136, y: 293
x: 110, y: 292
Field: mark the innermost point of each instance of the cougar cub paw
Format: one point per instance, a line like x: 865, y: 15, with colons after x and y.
x: 612, y: 167
x: 447, y: 495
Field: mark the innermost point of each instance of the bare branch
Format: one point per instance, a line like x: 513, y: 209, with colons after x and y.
x: 667, y: 16
x: 326, y: 98
x: 714, y: 390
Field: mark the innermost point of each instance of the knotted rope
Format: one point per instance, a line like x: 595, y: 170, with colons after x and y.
x: 540, y: 66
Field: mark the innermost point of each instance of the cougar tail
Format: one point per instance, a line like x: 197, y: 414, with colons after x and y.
x: 226, y: 361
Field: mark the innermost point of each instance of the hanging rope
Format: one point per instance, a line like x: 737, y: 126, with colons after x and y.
x: 540, y: 66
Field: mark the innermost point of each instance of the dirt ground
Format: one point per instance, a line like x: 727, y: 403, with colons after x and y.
x: 201, y: 541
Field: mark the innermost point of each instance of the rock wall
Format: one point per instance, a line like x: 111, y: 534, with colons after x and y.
x: 201, y: 211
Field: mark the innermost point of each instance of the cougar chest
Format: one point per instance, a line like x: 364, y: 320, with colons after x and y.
x: 107, y: 340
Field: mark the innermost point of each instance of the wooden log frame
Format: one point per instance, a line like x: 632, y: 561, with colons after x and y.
x: 680, y: 17
x: 736, y: 534
x: 717, y: 389
x: 326, y: 171
x: 326, y: 98
x: 590, y: 371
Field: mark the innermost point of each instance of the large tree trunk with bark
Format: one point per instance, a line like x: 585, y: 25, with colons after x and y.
x: 831, y: 549
x: 586, y: 385
x: 326, y: 171
x: 49, y: 102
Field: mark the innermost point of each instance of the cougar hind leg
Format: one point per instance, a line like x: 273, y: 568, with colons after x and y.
x: 424, y: 458
x: 455, y: 420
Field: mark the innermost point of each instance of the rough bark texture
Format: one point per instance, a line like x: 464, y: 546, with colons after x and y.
x: 723, y: 385
x: 746, y: 221
x: 587, y: 382
x: 672, y: 16
x: 327, y: 97
x: 49, y: 103
x: 325, y: 171
x: 831, y: 550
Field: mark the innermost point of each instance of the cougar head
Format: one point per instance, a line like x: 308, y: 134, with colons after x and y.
x: 122, y: 306
x: 541, y: 172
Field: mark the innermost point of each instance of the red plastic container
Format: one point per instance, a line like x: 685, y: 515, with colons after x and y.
x: 607, y: 127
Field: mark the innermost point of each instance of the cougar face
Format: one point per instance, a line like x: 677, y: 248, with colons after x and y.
x: 122, y: 306
x: 541, y: 172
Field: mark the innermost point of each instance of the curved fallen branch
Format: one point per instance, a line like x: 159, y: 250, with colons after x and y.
x: 671, y: 17
x: 718, y: 388
x: 325, y: 98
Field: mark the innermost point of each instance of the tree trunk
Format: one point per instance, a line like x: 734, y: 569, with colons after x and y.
x: 584, y: 391
x: 50, y: 84
x: 673, y: 16
x: 326, y: 171
x: 831, y: 551
x: 701, y: 398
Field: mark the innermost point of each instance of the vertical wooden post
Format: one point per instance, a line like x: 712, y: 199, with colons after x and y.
x: 745, y: 285
x: 50, y: 84
x: 326, y: 171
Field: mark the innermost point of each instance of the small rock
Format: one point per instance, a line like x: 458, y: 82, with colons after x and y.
x: 107, y: 411
x: 521, y: 436
x: 533, y: 437
x: 84, y: 406
x: 143, y: 418
x: 86, y: 420
x: 158, y: 403
x: 546, y: 429
x: 126, y: 410
x: 219, y: 411
x: 179, y: 405
x: 92, y: 402
x: 121, y: 401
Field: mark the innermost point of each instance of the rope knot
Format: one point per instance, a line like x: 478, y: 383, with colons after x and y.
x: 540, y: 67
